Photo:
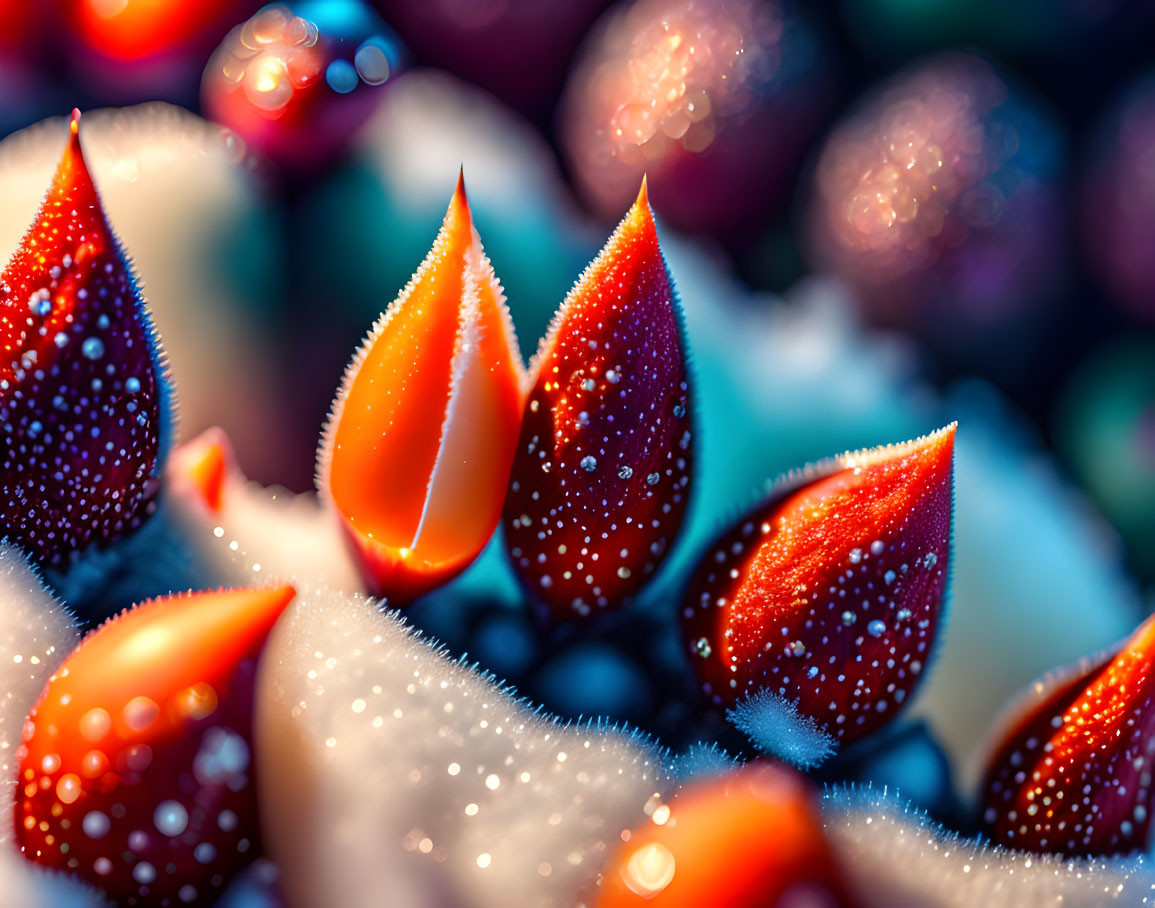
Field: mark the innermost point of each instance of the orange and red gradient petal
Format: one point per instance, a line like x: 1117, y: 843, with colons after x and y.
x: 828, y: 595
x: 417, y: 452
x: 84, y: 403
x: 135, y: 767
x: 603, y: 467
x: 742, y: 840
x: 1071, y: 773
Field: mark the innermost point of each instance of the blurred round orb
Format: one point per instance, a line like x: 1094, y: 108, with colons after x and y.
x: 1119, y: 200
x: 1105, y: 429
x: 937, y: 200
x: 713, y: 99
x: 495, y: 43
x: 143, y: 50
x: 297, y: 80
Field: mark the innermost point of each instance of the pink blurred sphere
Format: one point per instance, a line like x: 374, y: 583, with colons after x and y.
x: 713, y: 99
x: 1119, y: 200
x: 936, y: 198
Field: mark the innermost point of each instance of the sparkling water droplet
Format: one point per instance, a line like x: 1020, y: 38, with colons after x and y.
x: 589, y: 463
x: 855, y: 556
x: 876, y: 628
x: 93, y: 348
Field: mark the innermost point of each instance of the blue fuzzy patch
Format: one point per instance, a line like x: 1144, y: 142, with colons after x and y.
x: 775, y: 727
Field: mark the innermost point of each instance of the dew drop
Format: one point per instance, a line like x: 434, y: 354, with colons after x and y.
x: 92, y: 348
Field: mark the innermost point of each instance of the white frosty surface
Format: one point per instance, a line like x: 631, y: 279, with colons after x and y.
x: 386, y: 768
x: 895, y: 857
x: 262, y: 532
x: 35, y: 636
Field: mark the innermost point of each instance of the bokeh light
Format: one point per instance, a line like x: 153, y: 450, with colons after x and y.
x: 133, y: 29
x: 118, y: 47
x: 937, y: 198
x: 1119, y: 199
x: 704, y: 96
x: 297, y: 81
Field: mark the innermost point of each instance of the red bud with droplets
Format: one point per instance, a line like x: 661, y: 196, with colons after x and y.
x: 1071, y: 773
x: 135, y: 768
x: 84, y: 405
x: 828, y: 595
x: 602, y: 473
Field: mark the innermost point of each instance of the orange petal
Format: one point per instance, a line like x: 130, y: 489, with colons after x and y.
x: 202, y: 466
x: 417, y: 451
x: 137, y: 755
x: 748, y: 839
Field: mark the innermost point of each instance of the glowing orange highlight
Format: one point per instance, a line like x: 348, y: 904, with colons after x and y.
x: 738, y: 841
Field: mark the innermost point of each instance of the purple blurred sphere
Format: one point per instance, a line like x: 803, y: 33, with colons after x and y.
x: 714, y: 100
x: 937, y: 199
x: 1118, y: 200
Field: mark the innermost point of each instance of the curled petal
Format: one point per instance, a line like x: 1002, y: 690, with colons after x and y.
x: 602, y: 474
x: 417, y: 450
x: 827, y: 596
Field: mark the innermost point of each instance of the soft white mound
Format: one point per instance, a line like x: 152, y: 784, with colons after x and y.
x: 389, y: 771
x: 894, y: 856
x: 259, y: 531
x: 35, y: 636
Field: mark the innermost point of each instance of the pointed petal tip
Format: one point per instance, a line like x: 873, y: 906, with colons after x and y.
x: 641, y: 211
x: 203, y: 466
x: 74, y: 121
x: 459, y: 211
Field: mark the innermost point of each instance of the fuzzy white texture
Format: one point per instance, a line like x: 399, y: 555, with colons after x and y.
x: 36, y: 634
x: 894, y: 856
x: 176, y: 192
x: 385, y: 767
